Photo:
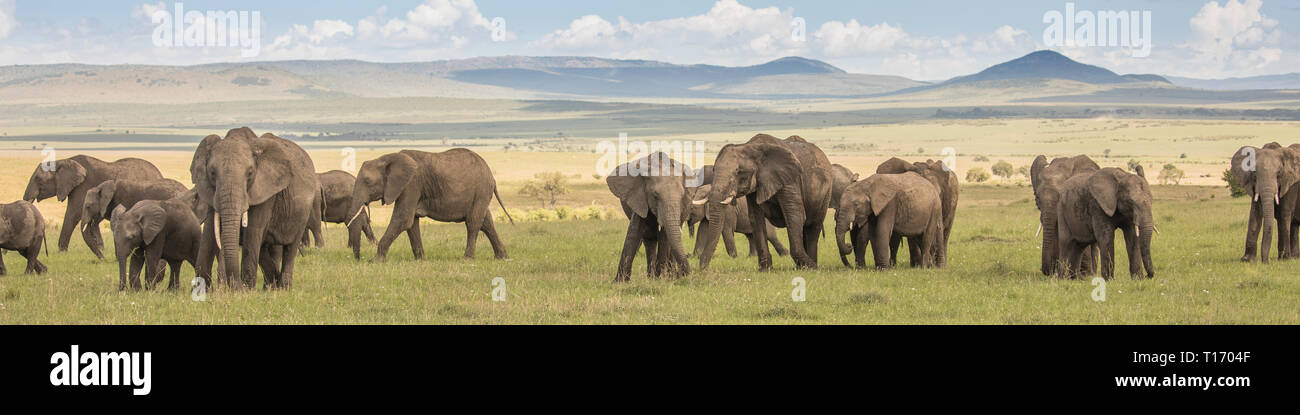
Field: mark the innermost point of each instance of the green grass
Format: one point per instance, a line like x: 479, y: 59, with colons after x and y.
x: 561, y: 272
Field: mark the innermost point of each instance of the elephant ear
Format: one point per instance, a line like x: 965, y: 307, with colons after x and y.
x: 107, y: 191
x: 1036, y: 171
x: 271, y: 173
x: 1104, y: 188
x: 1290, y: 174
x: 630, y: 189
x: 152, y: 218
x: 777, y: 168
x: 882, y: 193
x: 1140, y: 171
x: 198, y: 168
x: 894, y: 165
x: 399, y: 171
x: 1244, y: 178
x: 68, y: 176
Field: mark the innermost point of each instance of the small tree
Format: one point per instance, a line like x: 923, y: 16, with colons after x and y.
x: 1106, y: 153
x: 977, y: 175
x: 1233, y: 187
x: 1170, y: 174
x: 546, y: 187
x: 1003, y: 169
x: 1023, y: 171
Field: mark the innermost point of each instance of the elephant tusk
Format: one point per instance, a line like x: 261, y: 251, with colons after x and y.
x: 354, y: 217
x: 1040, y: 229
x: 243, y: 221
x: 1276, y: 201
x: 699, y: 202
x: 216, y: 224
x: 1256, y: 197
x: 727, y: 201
x: 1156, y: 229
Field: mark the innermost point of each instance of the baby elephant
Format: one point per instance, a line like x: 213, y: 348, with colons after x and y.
x: 1093, y: 206
x: 151, y: 232
x: 102, y: 199
x: 735, y: 220
x: 882, y: 206
x: 22, y: 229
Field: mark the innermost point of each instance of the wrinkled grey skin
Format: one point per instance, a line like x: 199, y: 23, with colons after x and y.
x: 786, y: 182
x: 269, y: 181
x: 336, y: 191
x: 945, y: 181
x: 452, y: 186
x: 71, y: 178
x: 1092, y: 206
x: 1274, y: 190
x: 701, y: 177
x: 103, y: 199
x: 736, y: 220
x: 1047, y: 179
x: 841, y: 178
x: 22, y: 229
x: 654, y: 201
x: 874, y: 210
x: 153, y: 232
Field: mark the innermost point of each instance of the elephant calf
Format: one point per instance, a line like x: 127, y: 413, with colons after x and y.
x: 875, y: 210
x: 22, y: 229
x: 151, y: 232
x: 735, y: 220
x: 101, y: 200
x: 1092, y: 206
x: 336, y: 194
x: 654, y: 200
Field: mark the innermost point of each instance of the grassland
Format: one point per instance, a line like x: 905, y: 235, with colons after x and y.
x: 560, y: 272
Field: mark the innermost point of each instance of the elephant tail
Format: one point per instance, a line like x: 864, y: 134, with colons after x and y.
x: 503, y: 206
x: 45, y: 242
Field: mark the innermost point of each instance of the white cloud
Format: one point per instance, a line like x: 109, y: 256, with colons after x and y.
x: 729, y: 33
x: 7, y: 20
x: 839, y: 38
x: 451, y: 22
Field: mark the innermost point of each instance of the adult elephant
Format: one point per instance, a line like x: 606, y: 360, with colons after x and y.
x: 69, y: 179
x: 260, y: 191
x: 1093, y: 205
x: 101, y: 200
x: 786, y: 182
x: 1047, y: 180
x: 945, y: 182
x: 878, y: 209
x: 1271, y: 176
x: 452, y: 186
x: 336, y: 192
x: 735, y: 220
x: 841, y: 178
x: 655, y: 201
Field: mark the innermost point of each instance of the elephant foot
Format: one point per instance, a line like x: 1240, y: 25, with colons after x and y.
x: 1248, y: 258
x: 502, y: 256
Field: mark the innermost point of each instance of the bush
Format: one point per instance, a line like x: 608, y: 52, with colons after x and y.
x: 1170, y: 174
x: 1132, y: 165
x: 977, y: 175
x: 1004, y: 169
x: 546, y: 187
x: 981, y: 158
x: 1233, y: 187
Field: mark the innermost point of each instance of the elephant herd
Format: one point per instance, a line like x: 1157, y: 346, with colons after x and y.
x: 256, y: 201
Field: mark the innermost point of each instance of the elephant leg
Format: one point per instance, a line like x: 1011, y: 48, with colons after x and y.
x: 813, y: 229
x: 1293, y: 246
x: 861, y: 239
x: 651, y: 241
x: 403, y: 217
x: 366, y: 229
x: 1285, y: 213
x: 759, y: 234
x: 90, y: 233
x: 914, y: 251
x: 1072, y: 254
x: 287, y: 263
x: 665, y: 261
x: 71, y: 217
x: 1088, y: 259
x: 173, y: 281
x: 631, y: 244
x: 3, y: 271
x: 473, y: 224
x: 498, y: 247
x: 729, y: 240
x: 317, y: 231
x: 269, y: 268
x: 699, y: 242
x: 1106, y: 244
x: 154, y: 264
x: 137, y: 263
x: 894, y: 242
x: 795, y: 223
x: 417, y: 240
x: 776, y: 241
x: 880, y: 236
x: 1252, y: 232
x: 34, y: 264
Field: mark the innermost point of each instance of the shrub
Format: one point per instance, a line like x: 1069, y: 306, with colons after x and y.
x: 977, y: 175
x: 1233, y: 187
x: 1004, y: 169
x: 546, y: 187
x: 1170, y: 174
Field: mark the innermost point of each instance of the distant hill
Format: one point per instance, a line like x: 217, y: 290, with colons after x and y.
x: 1285, y: 81
x: 505, y: 77
x: 1046, y: 64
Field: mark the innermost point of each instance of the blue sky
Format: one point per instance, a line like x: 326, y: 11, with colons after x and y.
x: 921, y: 39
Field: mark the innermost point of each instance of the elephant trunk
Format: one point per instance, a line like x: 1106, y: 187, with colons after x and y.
x: 1147, y: 227
x: 709, y: 234
x: 844, y: 217
x: 1048, y: 222
x: 358, y: 217
x: 33, y: 190
x: 672, y: 224
x: 231, y: 211
x: 1266, y: 196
